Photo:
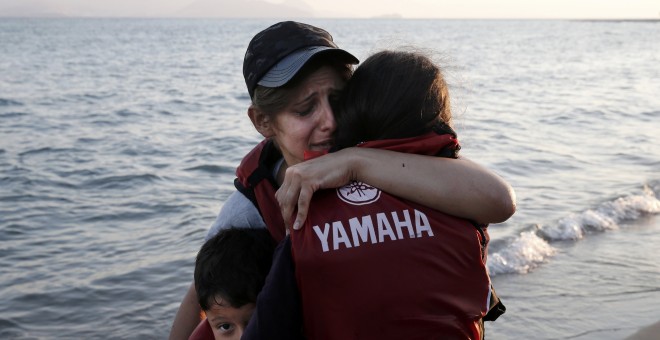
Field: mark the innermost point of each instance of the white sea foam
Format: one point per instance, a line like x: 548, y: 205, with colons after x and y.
x: 606, y: 216
x: 531, y: 248
x: 526, y: 252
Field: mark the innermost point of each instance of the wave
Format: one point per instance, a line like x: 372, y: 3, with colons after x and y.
x: 126, y: 113
x: 533, y: 247
x: 9, y: 102
x: 45, y: 150
x: 11, y: 330
x: 605, y: 217
x: 120, y: 182
x: 12, y: 114
x: 212, y: 169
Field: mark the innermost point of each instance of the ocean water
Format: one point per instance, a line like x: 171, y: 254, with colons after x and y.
x: 119, y: 139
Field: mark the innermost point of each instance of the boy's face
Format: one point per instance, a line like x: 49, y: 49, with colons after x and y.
x: 228, y: 322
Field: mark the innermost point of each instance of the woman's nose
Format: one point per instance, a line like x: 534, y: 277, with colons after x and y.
x: 327, y: 117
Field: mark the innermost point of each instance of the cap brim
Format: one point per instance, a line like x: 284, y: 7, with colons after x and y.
x: 289, y: 66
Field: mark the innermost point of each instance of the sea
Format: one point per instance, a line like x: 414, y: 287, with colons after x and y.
x: 119, y: 139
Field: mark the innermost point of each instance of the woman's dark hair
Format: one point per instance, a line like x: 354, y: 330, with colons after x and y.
x: 271, y: 100
x: 392, y: 94
x: 233, y: 266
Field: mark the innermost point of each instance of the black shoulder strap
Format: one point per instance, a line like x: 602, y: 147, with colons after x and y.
x: 496, y: 307
x: 267, y: 160
x: 269, y: 156
x: 484, y: 241
x: 247, y: 192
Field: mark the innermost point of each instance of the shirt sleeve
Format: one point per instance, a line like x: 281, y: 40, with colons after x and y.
x: 278, y: 314
x: 237, y: 212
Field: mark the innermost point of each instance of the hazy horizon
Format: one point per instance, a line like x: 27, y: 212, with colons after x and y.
x: 412, y: 9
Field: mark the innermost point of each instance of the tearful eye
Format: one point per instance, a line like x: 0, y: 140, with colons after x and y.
x: 306, y: 111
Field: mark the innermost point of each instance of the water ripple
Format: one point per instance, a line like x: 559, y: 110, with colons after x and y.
x: 213, y: 169
x: 12, y: 114
x: 45, y: 150
x: 126, y: 113
x: 121, y: 182
x: 9, y: 102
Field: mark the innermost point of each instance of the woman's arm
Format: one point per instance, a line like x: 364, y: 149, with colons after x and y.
x: 187, y: 317
x: 455, y: 186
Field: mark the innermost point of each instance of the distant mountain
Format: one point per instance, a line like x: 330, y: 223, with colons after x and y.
x: 246, y: 9
x: 152, y: 8
x: 388, y: 16
x: 32, y: 8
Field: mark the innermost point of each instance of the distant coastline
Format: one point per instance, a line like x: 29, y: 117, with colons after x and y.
x: 231, y: 9
x: 620, y: 20
x: 297, y: 17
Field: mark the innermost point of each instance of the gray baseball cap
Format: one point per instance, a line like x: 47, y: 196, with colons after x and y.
x: 276, y: 54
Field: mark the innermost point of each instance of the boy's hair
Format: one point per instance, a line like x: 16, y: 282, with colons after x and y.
x: 233, y: 266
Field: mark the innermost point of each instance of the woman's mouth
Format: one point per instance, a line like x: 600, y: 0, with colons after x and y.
x: 322, y: 146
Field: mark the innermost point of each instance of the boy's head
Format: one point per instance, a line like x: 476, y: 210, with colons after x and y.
x: 229, y: 273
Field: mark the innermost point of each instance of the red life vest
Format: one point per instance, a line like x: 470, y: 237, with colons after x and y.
x: 370, y: 265
x: 255, y: 180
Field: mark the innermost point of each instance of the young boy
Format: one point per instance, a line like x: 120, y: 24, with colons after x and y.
x: 230, y: 271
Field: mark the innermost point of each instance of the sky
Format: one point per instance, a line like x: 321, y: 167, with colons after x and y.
x: 533, y: 9
x: 498, y: 8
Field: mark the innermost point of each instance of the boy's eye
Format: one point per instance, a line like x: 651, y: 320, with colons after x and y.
x: 225, y: 327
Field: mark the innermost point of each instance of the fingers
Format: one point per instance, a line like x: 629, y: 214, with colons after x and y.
x: 303, y: 206
x: 287, y: 197
x: 300, y: 183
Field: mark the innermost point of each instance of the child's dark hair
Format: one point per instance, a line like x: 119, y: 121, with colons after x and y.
x: 392, y: 94
x: 233, y: 266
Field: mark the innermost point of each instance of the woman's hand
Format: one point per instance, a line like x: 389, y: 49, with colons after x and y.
x: 303, y: 179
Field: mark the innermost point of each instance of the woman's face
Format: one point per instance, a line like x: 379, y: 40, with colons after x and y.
x: 308, y: 123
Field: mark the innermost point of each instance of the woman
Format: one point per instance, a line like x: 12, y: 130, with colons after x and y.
x: 293, y: 72
x: 371, y: 265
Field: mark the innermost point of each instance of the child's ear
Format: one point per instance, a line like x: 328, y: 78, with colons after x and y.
x: 261, y: 121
